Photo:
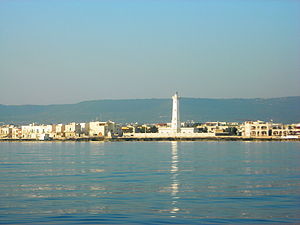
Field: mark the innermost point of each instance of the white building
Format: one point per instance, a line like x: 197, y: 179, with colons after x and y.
x: 264, y: 129
x: 101, y: 129
x: 256, y: 129
x: 82, y: 127
x: 72, y: 130
x: 284, y: 130
x: 33, y: 131
x: 188, y: 130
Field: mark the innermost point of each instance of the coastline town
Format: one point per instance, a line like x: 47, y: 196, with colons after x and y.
x: 175, y: 130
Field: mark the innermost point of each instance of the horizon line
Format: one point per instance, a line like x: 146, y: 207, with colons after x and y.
x: 124, y: 99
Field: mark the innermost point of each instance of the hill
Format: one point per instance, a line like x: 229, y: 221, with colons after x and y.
x: 285, y: 110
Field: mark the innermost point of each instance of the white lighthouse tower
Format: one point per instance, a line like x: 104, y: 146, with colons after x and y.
x: 175, y: 125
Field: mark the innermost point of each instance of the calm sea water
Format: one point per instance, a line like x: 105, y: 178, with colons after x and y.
x: 150, y: 183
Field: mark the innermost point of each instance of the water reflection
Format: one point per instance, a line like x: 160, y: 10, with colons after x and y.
x: 174, y: 179
x: 210, y: 182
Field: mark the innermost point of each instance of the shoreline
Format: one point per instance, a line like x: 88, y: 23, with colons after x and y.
x: 149, y: 139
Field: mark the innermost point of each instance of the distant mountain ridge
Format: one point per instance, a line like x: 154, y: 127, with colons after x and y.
x: 284, y: 110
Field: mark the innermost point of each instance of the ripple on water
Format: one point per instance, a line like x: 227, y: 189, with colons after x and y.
x: 150, y: 182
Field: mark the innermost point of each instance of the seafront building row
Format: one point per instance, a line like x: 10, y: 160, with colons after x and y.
x: 175, y: 129
x: 111, y: 129
x: 60, y: 131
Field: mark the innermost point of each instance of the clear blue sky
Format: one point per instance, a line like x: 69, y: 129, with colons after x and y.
x: 63, y: 51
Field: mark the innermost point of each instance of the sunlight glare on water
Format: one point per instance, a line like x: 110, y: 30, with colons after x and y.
x: 149, y: 182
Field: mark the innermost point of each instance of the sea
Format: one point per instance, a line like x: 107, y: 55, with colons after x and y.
x: 201, y: 182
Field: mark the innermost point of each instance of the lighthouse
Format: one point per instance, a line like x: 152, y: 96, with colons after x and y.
x: 175, y: 124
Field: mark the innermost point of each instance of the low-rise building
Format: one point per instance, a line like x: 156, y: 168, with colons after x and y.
x: 219, y: 128
x: 257, y: 129
x: 33, y: 131
x: 6, y: 131
x: 101, y: 129
x: 58, y: 131
x: 72, y: 130
x: 188, y: 130
x: 82, y: 129
x: 16, y: 133
x: 285, y: 130
x: 265, y: 129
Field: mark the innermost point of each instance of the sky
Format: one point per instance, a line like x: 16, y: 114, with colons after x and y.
x: 63, y: 51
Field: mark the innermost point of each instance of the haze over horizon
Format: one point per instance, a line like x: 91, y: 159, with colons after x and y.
x: 66, y: 52
x: 121, y: 99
